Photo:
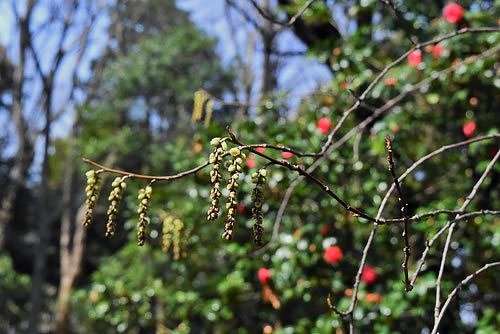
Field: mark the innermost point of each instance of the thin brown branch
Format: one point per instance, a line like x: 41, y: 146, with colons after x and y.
x: 246, y: 16
x: 404, y: 207
x: 386, y: 69
x: 408, y: 27
x: 349, y: 312
x: 452, y: 225
x: 461, y: 216
x: 288, y: 23
x: 429, y: 243
x: 355, y: 211
x: 362, y: 263
x: 429, y: 156
x: 412, y: 168
x: 329, y: 302
x: 145, y: 176
x: 454, y: 292
x: 250, y: 147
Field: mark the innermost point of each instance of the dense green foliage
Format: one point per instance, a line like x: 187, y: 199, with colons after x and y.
x: 140, y: 120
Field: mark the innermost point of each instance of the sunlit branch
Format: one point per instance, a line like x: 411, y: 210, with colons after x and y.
x: 452, y: 225
x: 454, y: 292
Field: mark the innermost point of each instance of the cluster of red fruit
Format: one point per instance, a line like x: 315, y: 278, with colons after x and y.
x: 334, y: 254
x: 251, y: 163
x: 324, y: 125
x: 452, y: 13
x: 415, y: 57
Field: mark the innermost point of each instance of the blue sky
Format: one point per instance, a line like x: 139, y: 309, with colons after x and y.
x: 299, y: 76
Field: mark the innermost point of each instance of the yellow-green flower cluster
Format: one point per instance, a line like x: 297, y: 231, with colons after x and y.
x: 220, y: 146
x: 259, y: 179
x: 234, y: 168
x: 92, y: 191
x: 171, y: 235
x: 115, y: 197
x: 144, y: 196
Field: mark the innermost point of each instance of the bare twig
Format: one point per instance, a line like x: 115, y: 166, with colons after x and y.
x: 145, y: 176
x: 288, y: 23
x: 461, y: 216
x: 195, y: 169
x: 355, y: 211
x: 429, y: 156
x: 412, y: 168
x: 429, y: 243
x: 454, y: 292
x: 348, y: 313
x: 246, y: 15
x: 405, y: 25
x: 386, y: 69
x: 404, y: 207
x: 451, y: 227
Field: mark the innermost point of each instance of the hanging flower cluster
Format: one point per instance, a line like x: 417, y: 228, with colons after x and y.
x: 215, y: 158
x: 92, y: 191
x: 144, y: 196
x: 234, y: 168
x: 259, y: 179
x: 172, y: 226
x: 172, y: 236
x: 115, y: 198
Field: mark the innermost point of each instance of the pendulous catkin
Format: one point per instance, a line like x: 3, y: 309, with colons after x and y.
x: 234, y: 168
x: 259, y: 179
x: 220, y: 146
x: 92, y: 191
x: 171, y: 236
x: 144, y: 196
x: 166, y: 238
x: 115, y: 197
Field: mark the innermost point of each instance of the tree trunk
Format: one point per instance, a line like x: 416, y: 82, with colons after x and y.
x: 44, y: 223
x: 19, y: 171
x: 269, y: 65
x: 71, y: 261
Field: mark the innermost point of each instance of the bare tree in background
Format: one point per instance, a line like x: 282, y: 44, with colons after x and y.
x: 51, y: 40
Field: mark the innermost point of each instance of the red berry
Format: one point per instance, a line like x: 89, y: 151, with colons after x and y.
x: 390, y: 81
x: 286, y: 155
x: 368, y: 275
x: 344, y: 85
x: 250, y: 162
x: 264, y: 276
x: 469, y: 128
x: 333, y: 254
x: 436, y: 50
x: 261, y: 149
x: 453, y: 12
x: 324, y: 125
x: 415, y: 58
x: 241, y: 208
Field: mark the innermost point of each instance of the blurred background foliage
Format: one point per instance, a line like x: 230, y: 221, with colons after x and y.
x: 136, y: 115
